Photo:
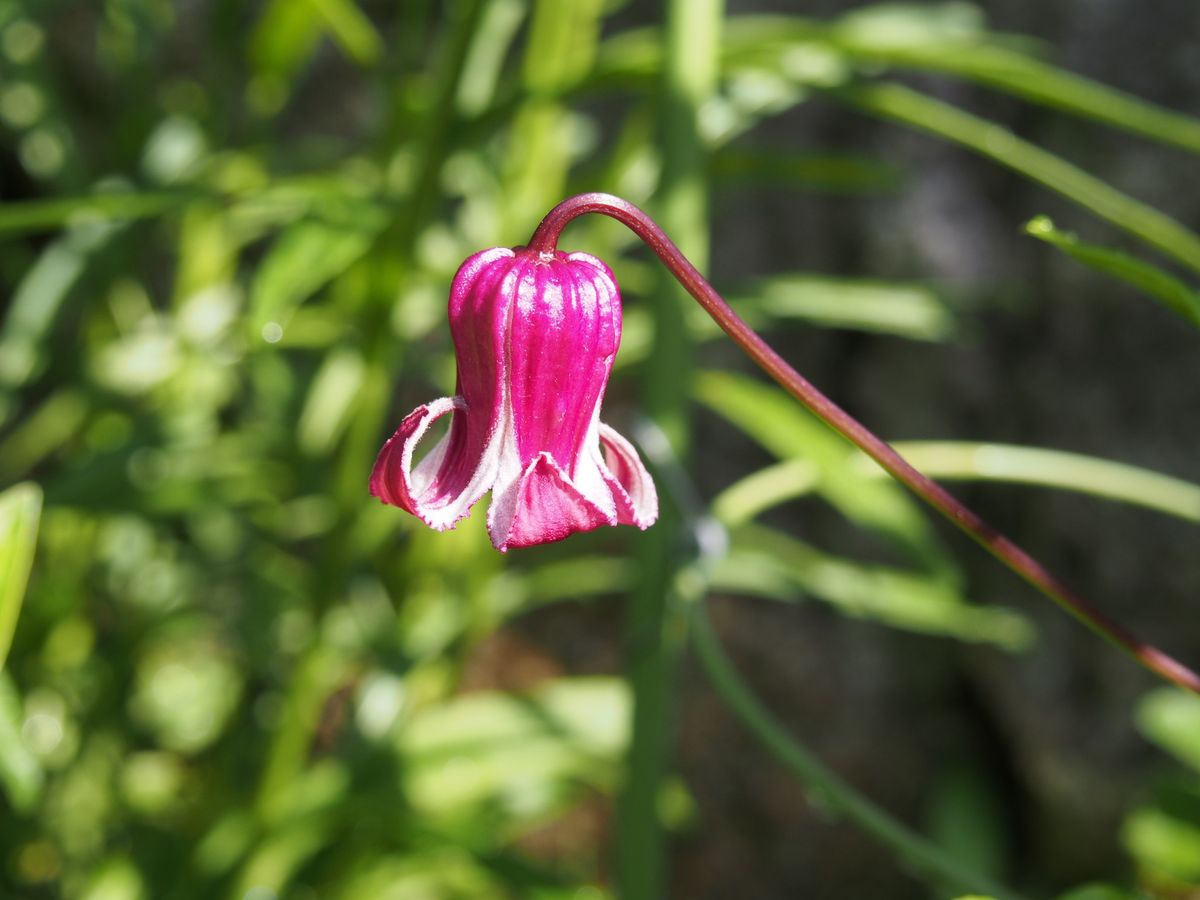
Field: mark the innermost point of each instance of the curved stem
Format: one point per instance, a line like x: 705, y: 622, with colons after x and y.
x: 545, y: 239
x: 827, y: 788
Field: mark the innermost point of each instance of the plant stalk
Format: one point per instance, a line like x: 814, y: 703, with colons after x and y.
x: 827, y: 789
x: 545, y: 239
x: 655, y: 624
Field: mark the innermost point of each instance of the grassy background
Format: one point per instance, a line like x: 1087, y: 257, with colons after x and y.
x: 226, y: 234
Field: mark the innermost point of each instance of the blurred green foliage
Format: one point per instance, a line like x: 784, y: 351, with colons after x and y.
x: 225, y: 239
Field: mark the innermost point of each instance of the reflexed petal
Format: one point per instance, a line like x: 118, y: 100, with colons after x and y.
x: 543, y: 506
x: 445, y: 484
x: 632, y: 487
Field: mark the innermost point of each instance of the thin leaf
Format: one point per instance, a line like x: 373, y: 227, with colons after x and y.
x: 968, y: 461
x: 32, y: 216
x: 1100, y: 892
x: 1171, y: 719
x: 948, y: 38
x: 893, y: 101
x: 977, y: 55
x: 20, y: 513
x: 1055, y: 469
x: 776, y: 422
x: 38, y: 300
x: 1164, y: 843
x: 351, y: 30
x: 306, y: 256
x: 331, y: 399
x: 482, y: 746
x: 908, y: 310
x: 1175, y: 294
x: 20, y: 774
x: 768, y: 563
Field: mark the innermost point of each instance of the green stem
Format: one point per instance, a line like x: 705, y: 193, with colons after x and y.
x: 32, y: 216
x: 896, y: 102
x: 655, y: 623
x: 829, y: 790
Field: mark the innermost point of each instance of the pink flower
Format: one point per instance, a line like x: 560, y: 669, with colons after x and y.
x: 535, y: 335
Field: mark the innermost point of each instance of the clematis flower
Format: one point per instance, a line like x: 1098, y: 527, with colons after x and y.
x: 535, y: 334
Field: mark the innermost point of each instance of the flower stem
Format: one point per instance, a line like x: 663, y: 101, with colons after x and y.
x: 827, y: 789
x: 545, y: 238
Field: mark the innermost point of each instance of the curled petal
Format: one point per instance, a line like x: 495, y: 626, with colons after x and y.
x: 445, y: 484
x: 631, y: 485
x: 543, y: 506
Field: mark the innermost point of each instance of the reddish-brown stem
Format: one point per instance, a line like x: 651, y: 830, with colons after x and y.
x: 545, y: 239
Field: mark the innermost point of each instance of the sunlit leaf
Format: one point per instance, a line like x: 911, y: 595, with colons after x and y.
x: 908, y: 310
x: 765, y: 562
x: 304, y: 258
x: 1171, y: 718
x: 967, y: 461
x: 1163, y: 842
x: 330, y: 401
x: 38, y: 301
x: 785, y: 429
x: 445, y: 871
x: 1175, y: 294
x: 32, y: 216
x: 20, y: 513
x: 20, y: 773
x: 520, y: 750
x: 950, y: 38
x: 351, y: 29
x: 1099, y: 892
x: 1155, y: 228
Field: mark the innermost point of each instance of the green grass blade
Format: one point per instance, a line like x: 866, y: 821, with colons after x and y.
x: 1054, y: 469
x: 893, y: 101
x: 20, y: 514
x: 974, y: 54
x: 1171, y: 719
x: 655, y: 623
x: 968, y: 461
x: 828, y: 788
x: 948, y: 39
x: 1175, y: 294
x: 775, y: 421
x: 351, y: 30
x: 32, y: 216
x: 306, y: 256
x: 765, y: 562
x: 908, y: 310
x: 20, y: 775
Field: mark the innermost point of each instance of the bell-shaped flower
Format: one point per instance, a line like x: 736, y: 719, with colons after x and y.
x: 535, y: 336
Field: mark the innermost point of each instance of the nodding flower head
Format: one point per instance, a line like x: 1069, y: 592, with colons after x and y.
x: 535, y: 334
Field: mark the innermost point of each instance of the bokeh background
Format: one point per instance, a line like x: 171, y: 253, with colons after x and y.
x: 227, y: 230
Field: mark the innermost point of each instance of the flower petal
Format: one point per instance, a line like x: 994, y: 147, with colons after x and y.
x: 632, y: 488
x: 445, y: 484
x: 544, y: 506
x: 565, y: 329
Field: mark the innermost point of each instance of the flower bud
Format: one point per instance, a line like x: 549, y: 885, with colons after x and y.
x: 535, y: 335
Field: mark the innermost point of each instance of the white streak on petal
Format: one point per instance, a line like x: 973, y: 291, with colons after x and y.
x: 633, y: 488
